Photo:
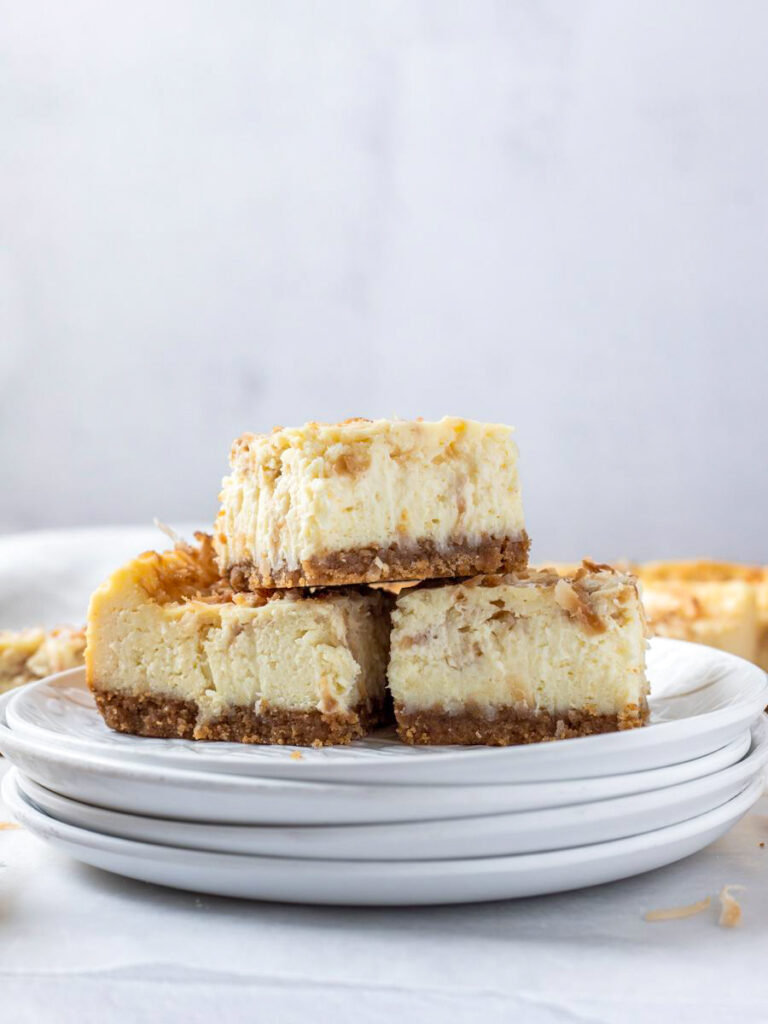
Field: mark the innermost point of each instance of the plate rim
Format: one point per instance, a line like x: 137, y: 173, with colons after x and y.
x: 52, y: 830
x: 740, y: 772
x: 243, y: 784
x: 606, y: 744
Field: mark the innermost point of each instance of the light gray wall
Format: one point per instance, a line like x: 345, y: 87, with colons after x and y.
x: 218, y: 217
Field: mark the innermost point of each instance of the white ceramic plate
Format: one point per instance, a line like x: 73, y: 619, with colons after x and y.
x: 489, y: 836
x: 381, y: 882
x: 47, y: 576
x: 701, y: 700
x: 242, y: 800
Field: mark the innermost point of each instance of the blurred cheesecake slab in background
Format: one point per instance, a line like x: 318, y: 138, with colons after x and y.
x: 29, y: 654
x: 722, y: 604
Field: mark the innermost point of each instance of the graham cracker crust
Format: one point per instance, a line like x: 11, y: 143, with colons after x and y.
x: 170, y: 718
x: 163, y: 717
x: 297, y: 728
x: 414, y: 560
x: 509, y: 726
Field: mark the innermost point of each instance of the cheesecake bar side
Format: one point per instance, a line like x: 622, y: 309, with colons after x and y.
x: 173, y: 652
x: 365, y: 502
x: 142, y: 656
x: 317, y: 666
x: 518, y: 659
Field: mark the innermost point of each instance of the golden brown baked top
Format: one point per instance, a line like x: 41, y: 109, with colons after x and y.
x: 700, y: 571
x: 577, y: 593
x: 590, y: 576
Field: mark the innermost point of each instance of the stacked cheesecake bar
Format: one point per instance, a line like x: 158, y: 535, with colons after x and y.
x: 359, y: 567
x: 174, y: 651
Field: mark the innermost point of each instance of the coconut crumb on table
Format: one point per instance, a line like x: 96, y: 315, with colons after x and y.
x: 676, y: 913
x: 297, y: 756
x: 730, y: 908
x: 8, y: 826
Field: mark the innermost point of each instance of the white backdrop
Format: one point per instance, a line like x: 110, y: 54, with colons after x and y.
x: 218, y: 217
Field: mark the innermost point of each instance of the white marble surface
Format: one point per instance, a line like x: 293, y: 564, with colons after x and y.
x: 218, y: 218
x: 82, y: 946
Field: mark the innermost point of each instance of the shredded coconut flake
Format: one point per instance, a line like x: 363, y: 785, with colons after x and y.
x: 572, y: 601
x: 297, y: 756
x: 178, y: 542
x: 675, y: 913
x: 730, y: 908
x: 394, y: 588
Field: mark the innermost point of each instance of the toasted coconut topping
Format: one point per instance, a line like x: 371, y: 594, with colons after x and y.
x: 676, y: 913
x: 587, y: 565
x: 178, y: 541
x: 394, y: 588
x: 730, y: 908
x: 572, y: 600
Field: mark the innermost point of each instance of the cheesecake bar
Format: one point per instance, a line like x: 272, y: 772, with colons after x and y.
x: 720, y: 604
x: 370, y: 500
x: 30, y: 654
x: 173, y: 651
x: 519, y: 658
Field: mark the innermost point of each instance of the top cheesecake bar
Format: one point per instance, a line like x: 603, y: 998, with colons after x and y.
x: 369, y: 501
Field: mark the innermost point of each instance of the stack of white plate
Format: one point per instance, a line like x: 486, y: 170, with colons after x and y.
x: 383, y: 823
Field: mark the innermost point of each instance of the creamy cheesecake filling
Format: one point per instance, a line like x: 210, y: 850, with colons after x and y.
x: 303, y: 494
x: 534, y: 647
x: 165, y: 634
x: 279, y: 656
